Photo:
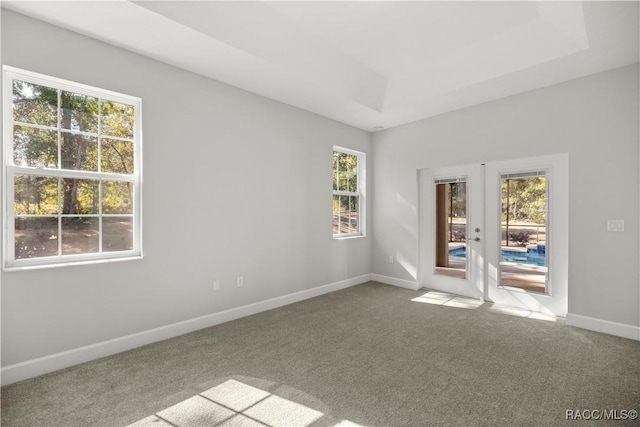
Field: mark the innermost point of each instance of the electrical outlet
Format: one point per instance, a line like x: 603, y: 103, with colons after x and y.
x: 391, y: 260
x: 216, y: 285
x: 239, y: 282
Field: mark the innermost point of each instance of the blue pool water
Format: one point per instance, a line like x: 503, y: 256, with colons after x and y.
x: 532, y: 256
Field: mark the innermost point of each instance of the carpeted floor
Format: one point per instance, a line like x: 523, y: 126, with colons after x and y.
x: 370, y: 355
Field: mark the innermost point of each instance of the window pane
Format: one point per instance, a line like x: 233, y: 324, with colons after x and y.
x: 352, y: 164
x: 347, y: 173
x: 35, y: 147
x: 342, y: 161
x: 35, y: 104
x: 342, y: 177
x: 352, y: 170
x: 35, y: 195
x: 450, y: 228
x: 342, y: 181
x: 117, y: 156
x: 117, y: 197
x: 79, y: 112
x: 79, y: 235
x: 36, y: 237
x: 353, y: 183
x: 353, y: 214
x: 71, y: 135
x: 79, y: 152
x: 79, y: 196
x: 344, y: 214
x: 335, y: 170
x: 336, y: 214
x: 524, y: 244
x: 117, y: 234
x: 117, y: 119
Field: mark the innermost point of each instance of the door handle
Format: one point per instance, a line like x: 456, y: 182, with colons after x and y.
x: 475, y: 239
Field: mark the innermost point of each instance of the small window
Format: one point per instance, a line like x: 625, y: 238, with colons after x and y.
x: 348, y: 193
x: 72, y: 187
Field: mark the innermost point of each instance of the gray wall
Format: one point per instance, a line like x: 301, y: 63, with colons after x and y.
x: 593, y: 119
x: 234, y: 184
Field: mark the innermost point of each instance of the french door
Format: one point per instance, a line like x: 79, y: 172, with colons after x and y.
x: 498, y: 232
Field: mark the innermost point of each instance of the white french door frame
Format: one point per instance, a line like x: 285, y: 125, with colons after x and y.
x: 473, y: 284
x: 483, y: 258
x: 555, y: 300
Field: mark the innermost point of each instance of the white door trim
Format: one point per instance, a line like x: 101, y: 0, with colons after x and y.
x: 473, y: 285
x: 486, y: 287
x: 555, y: 301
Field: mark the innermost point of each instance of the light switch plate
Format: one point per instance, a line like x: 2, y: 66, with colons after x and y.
x: 615, y: 225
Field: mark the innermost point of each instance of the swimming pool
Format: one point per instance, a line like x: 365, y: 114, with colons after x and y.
x: 532, y: 256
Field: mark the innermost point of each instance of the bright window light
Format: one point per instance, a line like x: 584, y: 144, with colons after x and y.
x: 72, y: 172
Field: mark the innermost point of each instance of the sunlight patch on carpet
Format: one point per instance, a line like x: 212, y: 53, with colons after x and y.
x: 234, y: 403
x: 451, y: 300
x: 518, y: 312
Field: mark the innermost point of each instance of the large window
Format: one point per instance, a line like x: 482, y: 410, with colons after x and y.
x: 72, y: 172
x: 348, y: 193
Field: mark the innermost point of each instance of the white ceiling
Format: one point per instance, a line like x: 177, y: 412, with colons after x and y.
x: 366, y: 64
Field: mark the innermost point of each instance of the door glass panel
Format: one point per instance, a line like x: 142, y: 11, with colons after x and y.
x: 451, y: 227
x: 523, y: 253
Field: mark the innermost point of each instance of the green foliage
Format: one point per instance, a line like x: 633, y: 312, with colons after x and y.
x: 117, y: 197
x: 345, y: 206
x: 345, y: 178
x: 35, y: 147
x: 62, y: 129
x: 35, y: 195
x: 117, y: 119
x: 35, y: 104
x: 524, y: 199
x: 117, y: 156
x: 520, y: 238
x: 79, y: 112
x: 458, y: 199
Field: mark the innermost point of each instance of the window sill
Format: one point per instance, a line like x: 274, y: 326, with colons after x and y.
x: 28, y: 267
x: 349, y: 236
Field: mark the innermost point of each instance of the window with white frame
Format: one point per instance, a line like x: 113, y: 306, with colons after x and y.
x: 72, y: 172
x: 348, y: 193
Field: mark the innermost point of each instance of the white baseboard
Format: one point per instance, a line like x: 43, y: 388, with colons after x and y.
x: 612, y: 328
x: 387, y: 280
x: 36, y: 367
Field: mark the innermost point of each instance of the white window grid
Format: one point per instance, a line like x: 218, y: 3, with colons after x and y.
x: 10, y: 170
x: 360, y: 194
